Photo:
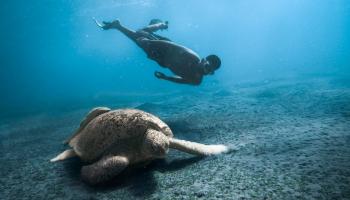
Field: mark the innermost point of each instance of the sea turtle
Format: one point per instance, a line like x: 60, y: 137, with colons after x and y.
x: 110, y: 140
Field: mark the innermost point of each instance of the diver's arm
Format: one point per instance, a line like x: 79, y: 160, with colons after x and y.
x: 161, y: 37
x: 177, y: 79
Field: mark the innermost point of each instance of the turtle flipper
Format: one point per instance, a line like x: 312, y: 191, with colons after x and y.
x: 104, y: 169
x: 90, y: 116
x: 64, y: 155
x: 197, y: 148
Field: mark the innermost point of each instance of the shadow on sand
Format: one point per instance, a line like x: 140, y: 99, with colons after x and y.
x: 137, y: 180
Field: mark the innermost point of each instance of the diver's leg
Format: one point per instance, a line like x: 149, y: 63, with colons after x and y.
x: 155, y: 27
x: 161, y: 37
x: 144, y: 43
x: 104, y: 169
x: 116, y: 25
x: 128, y: 32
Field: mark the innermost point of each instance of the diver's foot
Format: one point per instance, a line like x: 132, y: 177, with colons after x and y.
x: 108, y: 25
x: 113, y: 24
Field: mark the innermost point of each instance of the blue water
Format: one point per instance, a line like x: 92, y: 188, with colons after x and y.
x: 282, y: 62
x: 51, y: 51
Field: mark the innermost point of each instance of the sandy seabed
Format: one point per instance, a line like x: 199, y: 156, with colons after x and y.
x: 291, y: 141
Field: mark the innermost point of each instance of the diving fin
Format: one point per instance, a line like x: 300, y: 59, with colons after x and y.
x: 155, y: 21
x: 97, y: 23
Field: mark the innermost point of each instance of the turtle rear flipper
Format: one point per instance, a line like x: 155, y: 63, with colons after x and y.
x: 64, y: 155
x: 90, y: 116
x: 197, y: 148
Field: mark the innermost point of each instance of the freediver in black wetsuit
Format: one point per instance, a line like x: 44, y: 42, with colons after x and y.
x: 183, y: 62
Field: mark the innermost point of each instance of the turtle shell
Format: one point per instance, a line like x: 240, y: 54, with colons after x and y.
x: 116, y: 132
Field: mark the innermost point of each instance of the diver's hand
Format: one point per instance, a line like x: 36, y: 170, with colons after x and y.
x: 159, y: 75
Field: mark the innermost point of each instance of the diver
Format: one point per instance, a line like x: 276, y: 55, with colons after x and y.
x: 183, y: 62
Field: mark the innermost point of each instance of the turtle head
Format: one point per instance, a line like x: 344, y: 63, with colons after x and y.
x: 156, y: 144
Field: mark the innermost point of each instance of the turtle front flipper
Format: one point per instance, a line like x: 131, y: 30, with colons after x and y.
x: 104, y: 169
x: 90, y: 116
x: 197, y: 148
